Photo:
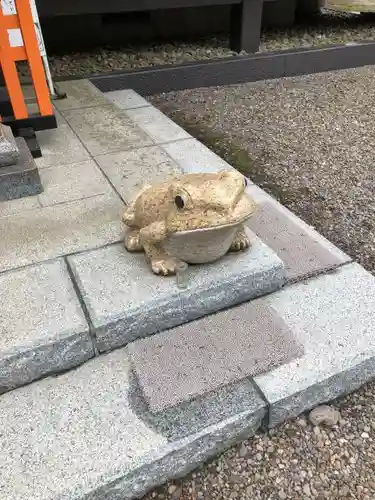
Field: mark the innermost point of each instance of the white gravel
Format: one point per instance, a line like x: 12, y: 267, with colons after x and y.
x: 329, y: 28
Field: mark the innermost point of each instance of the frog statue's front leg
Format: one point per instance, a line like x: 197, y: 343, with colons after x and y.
x: 152, y: 238
x: 241, y: 241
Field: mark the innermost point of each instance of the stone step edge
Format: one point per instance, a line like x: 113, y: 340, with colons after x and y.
x: 23, y: 365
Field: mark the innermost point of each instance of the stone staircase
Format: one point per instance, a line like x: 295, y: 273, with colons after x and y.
x: 114, y: 380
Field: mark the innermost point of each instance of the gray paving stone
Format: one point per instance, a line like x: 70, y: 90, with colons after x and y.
x: 303, y: 254
x: 194, y: 158
x: 191, y: 360
x: 126, y: 300
x: 12, y: 207
x: 83, y: 436
x: 333, y: 316
x: 49, y: 232
x: 156, y: 125
x: 104, y: 129
x: 127, y: 99
x: 42, y: 326
x: 72, y: 182
x: 128, y: 171
x: 60, y: 147
x: 22, y: 178
x: 80, y: 94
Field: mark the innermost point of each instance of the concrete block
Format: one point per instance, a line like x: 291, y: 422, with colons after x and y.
x: 72, y: 182
x: 50, y: 232
x: 9, y: 153
x: 333, y: 316
x: 194, y: 158
x: 127, y: 99
x: 128, y: 171
x: 42, y: 327
x: 156, y: 125
x: 60, y: 147
x: 80, y: 94
x: 303, y: 253
x: 104, y: 129
x: 22, y: 178
x: 85, y: 435
x: 126, y: 300
x: 188, y: 361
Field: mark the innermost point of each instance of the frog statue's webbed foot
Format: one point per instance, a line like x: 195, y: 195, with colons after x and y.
x: 133, y: 241
x: 164, y: 264
x: 241, y: 241
x: 151, y: 239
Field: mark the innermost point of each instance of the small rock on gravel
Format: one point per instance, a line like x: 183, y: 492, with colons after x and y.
x: 324, y: 415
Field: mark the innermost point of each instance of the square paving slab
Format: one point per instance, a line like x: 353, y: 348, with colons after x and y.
x: 45, y: 233
x: 126, y: 300
x: 106, y: 128
x: 333, y: 316
x: 42, y: 327
x: 84, y: 435
x: 193, y: 359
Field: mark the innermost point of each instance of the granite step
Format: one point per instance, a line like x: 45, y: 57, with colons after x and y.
x: 107, y: 430
x: 87, y: 435
x: 58, y: 314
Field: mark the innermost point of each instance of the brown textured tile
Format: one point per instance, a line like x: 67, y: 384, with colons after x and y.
x: 302, y: 253
x: 186, y: 362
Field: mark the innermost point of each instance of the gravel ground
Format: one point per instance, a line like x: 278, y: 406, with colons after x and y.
x: 328, y: 28
x: 307, y: 140
x: 294, y: 462
x: 310, y: 142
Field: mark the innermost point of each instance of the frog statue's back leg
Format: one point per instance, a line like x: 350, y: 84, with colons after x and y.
x: 133, y: 241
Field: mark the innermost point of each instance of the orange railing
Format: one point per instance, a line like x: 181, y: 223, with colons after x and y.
x: 29, y: 52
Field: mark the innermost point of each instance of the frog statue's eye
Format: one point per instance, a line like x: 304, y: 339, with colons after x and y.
x: 179, y: 202
x: 245, y: 183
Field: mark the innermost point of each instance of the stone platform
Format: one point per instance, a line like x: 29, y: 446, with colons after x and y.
x: 22, y: 178
x: 155, y: 408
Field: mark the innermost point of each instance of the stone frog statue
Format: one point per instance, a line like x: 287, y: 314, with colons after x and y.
x: 192, y: 218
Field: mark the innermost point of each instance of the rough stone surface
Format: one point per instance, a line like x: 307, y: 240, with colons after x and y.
x: 9, y: 153
x: 80, y: 94
x: 127, y: 99
x: 128, y: 171
x: 302, y: 255
x: 156, y: 125
x: 324, y: 415
x: 49, y: 232
x: 186, y: 362
x: 72, y: 182
x: 89, y: 441
x: 126, y: 301
x: 60, y: 146
x: 18, y: 205
x: 104, y: 129
x: 22, y: 178
x: 42, y: 326
x: 194, y: 158
x: 333, y: 317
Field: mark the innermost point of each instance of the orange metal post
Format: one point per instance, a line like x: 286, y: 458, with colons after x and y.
x: 33, y: 55
x: 10, y: 73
